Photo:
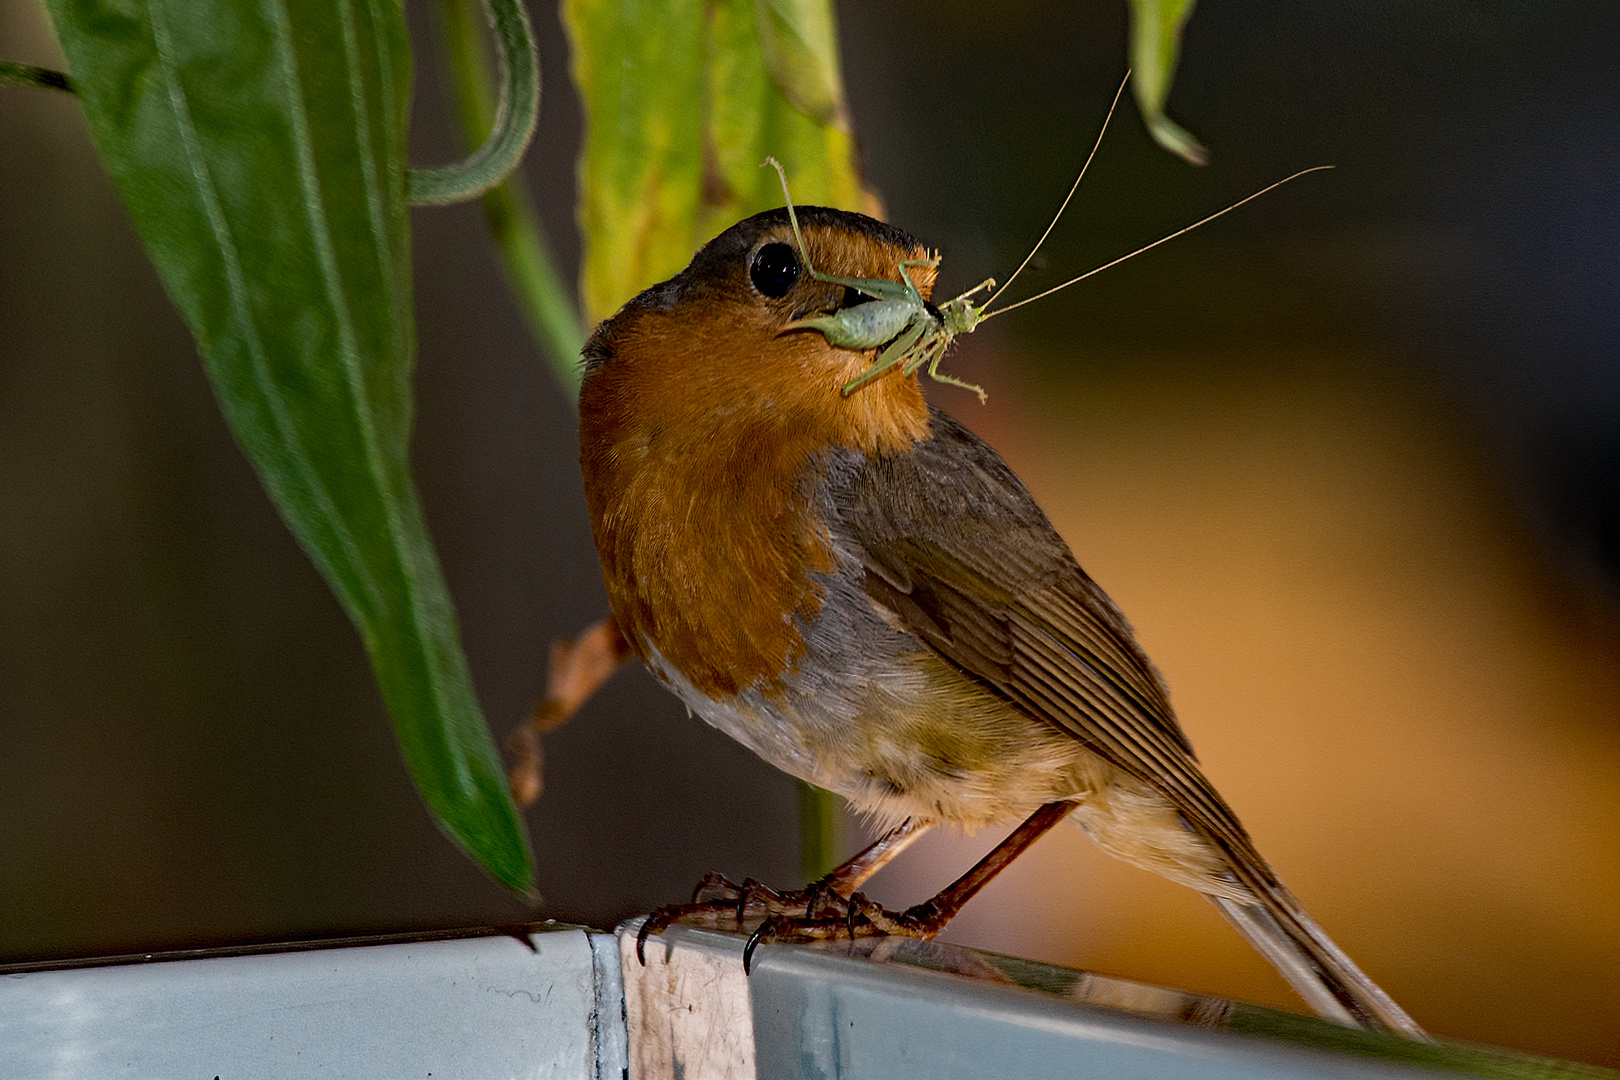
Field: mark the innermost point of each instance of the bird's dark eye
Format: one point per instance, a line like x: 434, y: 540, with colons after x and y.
x: 774, y: 270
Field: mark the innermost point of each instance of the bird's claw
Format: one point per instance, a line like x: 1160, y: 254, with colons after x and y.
x: 814, y: 913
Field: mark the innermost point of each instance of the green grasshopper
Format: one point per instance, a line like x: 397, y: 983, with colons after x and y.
x: 912, y: 332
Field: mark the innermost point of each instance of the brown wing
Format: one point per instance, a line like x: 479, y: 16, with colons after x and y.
x: 957, y: 548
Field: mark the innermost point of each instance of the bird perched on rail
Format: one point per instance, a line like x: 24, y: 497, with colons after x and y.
x: 858, y: 589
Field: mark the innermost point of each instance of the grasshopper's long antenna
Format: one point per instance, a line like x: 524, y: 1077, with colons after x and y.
x: 1055, y: 217
x: 793, y: 218
x: 1156, y: 243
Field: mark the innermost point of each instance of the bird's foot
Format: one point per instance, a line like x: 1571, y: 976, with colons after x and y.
x: 818, y: 912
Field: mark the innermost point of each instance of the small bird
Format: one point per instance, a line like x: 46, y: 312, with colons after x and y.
x: 858, y: 589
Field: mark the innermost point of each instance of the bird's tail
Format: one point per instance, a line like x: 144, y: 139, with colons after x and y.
x: 1324, y: 976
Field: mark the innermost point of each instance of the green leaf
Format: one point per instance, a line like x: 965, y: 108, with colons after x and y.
x: 260, y: 150
x: 1155, y: 46
x: 677, y: 123
x: 801, y: 50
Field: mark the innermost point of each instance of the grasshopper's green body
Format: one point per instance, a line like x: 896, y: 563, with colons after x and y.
x: 911, y: 331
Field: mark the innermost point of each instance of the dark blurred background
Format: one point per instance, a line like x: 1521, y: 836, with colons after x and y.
x: 1348, y: 457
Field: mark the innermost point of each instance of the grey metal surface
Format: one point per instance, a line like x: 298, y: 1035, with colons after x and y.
x: 818, y: 1016
x: 894, y: 1009
x: 576, y: 1005
x: 484, y: 1007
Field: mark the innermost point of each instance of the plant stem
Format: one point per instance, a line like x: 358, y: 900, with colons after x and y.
x: 517, y: 111
x: 818, y: 831
x: 526, y: 258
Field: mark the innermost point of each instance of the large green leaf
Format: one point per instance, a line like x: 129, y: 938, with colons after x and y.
x: 259, y: 146
x: 683, y: 101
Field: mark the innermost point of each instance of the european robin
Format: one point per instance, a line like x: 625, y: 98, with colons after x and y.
x: 858, y: 589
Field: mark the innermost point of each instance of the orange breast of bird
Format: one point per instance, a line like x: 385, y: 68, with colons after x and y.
x: 702, y: 429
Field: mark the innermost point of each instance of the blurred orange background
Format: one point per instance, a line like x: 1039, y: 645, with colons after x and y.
x: 1411, y: 714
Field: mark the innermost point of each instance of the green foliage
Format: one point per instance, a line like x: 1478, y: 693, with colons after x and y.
x: 683, y: 101
x: 260, y: 151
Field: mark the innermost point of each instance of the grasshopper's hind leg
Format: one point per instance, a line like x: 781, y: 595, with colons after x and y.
x: 896, y: 352
x: 933, y: 356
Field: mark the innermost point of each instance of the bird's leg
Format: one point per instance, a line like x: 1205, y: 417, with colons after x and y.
x: 927, y: 919
x: 839, y: 883
x: 844, y: 880
x: 866, y: 919
x: 576, y: 670
x: 720, y: 904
